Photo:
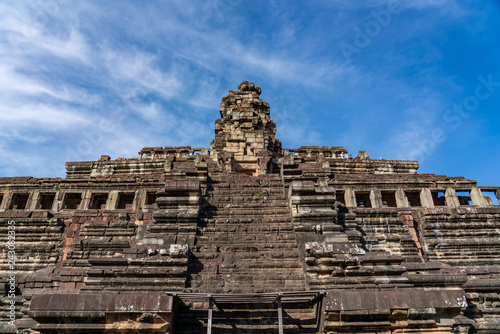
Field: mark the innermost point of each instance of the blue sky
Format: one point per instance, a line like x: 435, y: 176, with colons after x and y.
x: 415, y: 79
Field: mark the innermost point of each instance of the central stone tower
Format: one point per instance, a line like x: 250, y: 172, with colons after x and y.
x: 244, y: 135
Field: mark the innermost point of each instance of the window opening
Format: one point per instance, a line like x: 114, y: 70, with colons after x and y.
x: 151, y: 198
x: 464, y: 198
x: 72, y: 201
x: 46, y: 201
x: 98, y: 201
x: 363, y: 200
x: 413, y: 198
x: 388, y: 199
x: 19, y: 201
x: 438, y: 198
x: 490, y: 197
x: 340, y: 196
x: 125, y: 201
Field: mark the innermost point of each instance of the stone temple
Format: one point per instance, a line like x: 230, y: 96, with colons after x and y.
x: 249, y: 237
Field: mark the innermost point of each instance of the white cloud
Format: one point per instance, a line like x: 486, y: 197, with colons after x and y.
x: 140, y: 72
x: 15, y: 86
x: 41, y: 115
x: 26, y: 36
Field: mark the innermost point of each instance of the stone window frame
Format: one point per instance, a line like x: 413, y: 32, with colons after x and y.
x: 340, y: 193
x: 64, y: 201
x: 393, y: 199
x: 435, y: 200
x: 418, y: 193
x: 149, y: 195
x: 492, y: 193
x: 127, y: 193
x: 13, y: 198
x: 458, y: 191
x: 366, y: 195
x: 39, y: 202
x: 92, y: 199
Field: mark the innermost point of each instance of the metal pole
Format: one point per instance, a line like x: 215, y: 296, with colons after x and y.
x: 320, y: 313
x: 210, y: 306
x: 280, y: 315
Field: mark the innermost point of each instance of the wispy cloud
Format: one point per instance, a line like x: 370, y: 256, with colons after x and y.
x: 139, y: 73
x: 88, y: 78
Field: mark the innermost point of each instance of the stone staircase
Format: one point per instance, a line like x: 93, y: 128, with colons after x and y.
x: 245, y: 243
x: 245, y: 240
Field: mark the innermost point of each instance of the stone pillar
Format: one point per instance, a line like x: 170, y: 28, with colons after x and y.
x: 6, y: 199
x: 112, y: 201
x: 426, y: 198
x: 139, y: 199
x: 497, y: 194
x: 376, y: 198
x: 451, y: 198
x: 57, y: 204
x: 33, y: 199
x: 401, y: 200
x: 86, y: 197
x: 350, y: 198
x: 477, y: 197
x: 202, y: 171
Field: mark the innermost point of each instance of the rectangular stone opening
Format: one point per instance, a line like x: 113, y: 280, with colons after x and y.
x: 464, y: 197
x: 489, y: 196
x: 438, y: 198
x: 72, y: 201
x: 151, y: 197
x: 413, y: 198
x: 98, y: 201
x: 340, y: 194
x: 46, y: 201
x: 1, y: 199
x: 19, y: 201
x: 363, y: 199
x: 125, y: 200
x: 388, y: 199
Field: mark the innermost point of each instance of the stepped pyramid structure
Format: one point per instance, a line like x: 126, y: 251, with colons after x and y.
x: 249, y: 237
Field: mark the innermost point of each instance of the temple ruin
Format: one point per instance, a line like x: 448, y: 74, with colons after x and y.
x: 249, y: 237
